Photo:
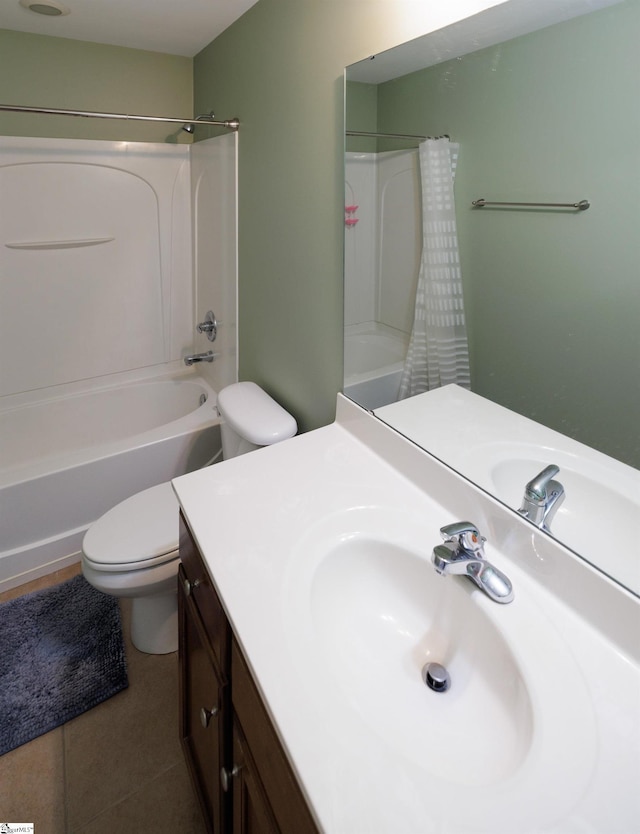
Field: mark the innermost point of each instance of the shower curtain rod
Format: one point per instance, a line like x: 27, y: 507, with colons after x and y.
x: 230, y: 124
x: 393, y: 135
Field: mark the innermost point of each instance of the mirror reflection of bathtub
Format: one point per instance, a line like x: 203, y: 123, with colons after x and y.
x: 373, y: 362
x: 383, y: 245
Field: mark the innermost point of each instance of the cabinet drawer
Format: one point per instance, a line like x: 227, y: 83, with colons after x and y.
x: 198, y: 587
x: 285, y: 797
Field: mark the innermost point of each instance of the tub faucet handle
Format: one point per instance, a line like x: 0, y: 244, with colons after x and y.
x: 209, y: 326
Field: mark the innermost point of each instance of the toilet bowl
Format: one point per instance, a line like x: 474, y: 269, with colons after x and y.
x: 132, y: 550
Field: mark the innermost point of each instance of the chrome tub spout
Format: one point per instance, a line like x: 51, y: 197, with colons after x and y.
x: 199, y: 357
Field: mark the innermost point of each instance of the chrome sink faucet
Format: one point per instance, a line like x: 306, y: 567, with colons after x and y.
x: 542, y: 498
x: 463, y: 554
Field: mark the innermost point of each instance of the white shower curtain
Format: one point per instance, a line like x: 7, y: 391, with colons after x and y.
x: 438, y: 352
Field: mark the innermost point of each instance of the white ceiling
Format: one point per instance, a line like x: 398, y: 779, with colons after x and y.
x: 495, y: 25
x: 179, y: 27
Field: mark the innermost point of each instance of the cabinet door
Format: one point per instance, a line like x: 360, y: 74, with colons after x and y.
x: 202, y: 708
x: 266, y: 764
x: 251, y: 810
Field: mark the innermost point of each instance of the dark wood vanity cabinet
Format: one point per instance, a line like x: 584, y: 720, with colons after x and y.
x: 204, y: 707
x: 238, y: 767
x: 251, y: 808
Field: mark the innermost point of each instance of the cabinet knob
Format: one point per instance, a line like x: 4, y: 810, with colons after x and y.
x: 191, y: 586
x: 207, y: 714
x: 227, y: 775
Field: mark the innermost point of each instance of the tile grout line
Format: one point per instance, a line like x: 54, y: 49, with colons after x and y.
x: 140, y: 789
x: 65, y: 791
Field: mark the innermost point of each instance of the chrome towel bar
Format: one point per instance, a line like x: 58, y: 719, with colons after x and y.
x: 582, y: 205
x: 393, y: 135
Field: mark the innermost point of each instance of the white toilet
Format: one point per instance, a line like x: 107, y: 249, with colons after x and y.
x: 132, y: 550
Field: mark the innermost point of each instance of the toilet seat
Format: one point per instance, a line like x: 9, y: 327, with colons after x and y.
x: 140, y: 532
x: 132, y: 550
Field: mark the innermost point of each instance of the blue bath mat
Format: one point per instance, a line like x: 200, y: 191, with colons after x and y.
x: 61, y: 653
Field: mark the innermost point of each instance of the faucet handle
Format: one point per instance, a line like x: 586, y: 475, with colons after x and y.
x: 209, y: 326
x: 465, y: 534
x: 536, y: 489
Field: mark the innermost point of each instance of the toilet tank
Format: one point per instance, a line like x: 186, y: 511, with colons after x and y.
x: 251, y: 419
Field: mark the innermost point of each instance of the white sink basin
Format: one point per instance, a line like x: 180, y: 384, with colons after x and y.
x: 364, y: 612
x: 381, y: 613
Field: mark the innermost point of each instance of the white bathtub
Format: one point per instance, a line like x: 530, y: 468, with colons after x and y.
x: 373, y: 363
x: 67, y: 459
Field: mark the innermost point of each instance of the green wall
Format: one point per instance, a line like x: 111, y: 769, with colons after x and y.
x: 279, y: 68
x: 42, y: 71
x: 552, y: 299
x: 361, y: 114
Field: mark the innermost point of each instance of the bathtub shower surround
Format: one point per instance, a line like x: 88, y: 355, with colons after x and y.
x: 214, y: 230
x: 98, y: 305
x: 382, y: 261
x: 95, y: 257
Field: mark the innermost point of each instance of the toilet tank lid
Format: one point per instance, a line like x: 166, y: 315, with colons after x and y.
x: 254, y: 415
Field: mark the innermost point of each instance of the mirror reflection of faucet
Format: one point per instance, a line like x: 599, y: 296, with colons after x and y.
x: 542, y: 498
x: 463, y: 554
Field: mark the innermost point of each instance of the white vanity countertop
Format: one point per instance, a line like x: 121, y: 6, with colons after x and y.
x: 266, y: 524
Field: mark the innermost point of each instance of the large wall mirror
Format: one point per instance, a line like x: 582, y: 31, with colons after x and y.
x: 541, y: 99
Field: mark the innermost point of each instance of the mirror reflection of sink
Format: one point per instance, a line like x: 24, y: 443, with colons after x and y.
x: 381, y: 613
x: 584, y: 499
x: 501, y: 451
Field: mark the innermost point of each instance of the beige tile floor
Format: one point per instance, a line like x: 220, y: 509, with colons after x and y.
x: 117, y: 767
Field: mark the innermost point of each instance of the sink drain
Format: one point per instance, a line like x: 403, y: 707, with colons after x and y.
x: 436, y: 677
